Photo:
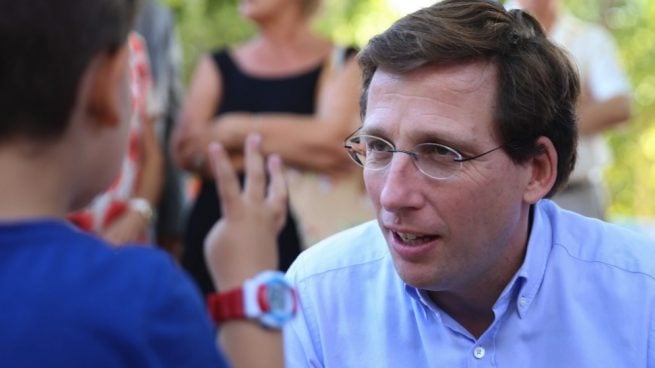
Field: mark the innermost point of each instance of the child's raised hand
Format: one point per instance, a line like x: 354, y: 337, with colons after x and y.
x: 244, y: 241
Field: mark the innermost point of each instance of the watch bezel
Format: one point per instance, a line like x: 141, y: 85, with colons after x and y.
x: 258, y: 304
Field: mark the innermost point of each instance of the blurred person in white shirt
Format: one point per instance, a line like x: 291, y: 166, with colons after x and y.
x: 604, y: 102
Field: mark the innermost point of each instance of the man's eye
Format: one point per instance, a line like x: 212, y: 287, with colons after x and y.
x: 377, y: 146
x: 437, y: 150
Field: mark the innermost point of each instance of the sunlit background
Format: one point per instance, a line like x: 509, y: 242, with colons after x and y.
x: 407, y: 6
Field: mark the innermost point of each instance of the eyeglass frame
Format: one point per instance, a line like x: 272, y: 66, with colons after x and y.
x: 412, y: 153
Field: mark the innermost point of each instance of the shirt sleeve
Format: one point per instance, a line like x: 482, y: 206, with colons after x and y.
x: 651, y: 342
x: 299, y: 346
x: 178, y: 327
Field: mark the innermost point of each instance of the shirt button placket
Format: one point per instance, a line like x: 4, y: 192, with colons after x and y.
x: 479, y: 352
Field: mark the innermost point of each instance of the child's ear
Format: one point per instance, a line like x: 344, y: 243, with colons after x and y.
x: 109, y: 84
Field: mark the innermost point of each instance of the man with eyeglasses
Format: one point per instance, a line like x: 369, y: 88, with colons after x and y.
x: 468, y: 126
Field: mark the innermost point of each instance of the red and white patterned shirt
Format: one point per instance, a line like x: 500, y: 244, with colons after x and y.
x: 107, y: 206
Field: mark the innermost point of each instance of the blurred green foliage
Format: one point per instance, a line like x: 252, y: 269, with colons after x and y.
x: 207, y: 24
x: 631, y: 178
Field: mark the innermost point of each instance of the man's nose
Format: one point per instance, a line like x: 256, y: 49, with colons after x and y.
x: 401, y: 183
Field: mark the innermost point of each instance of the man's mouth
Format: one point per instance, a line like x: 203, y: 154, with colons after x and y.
x: 414, y: 239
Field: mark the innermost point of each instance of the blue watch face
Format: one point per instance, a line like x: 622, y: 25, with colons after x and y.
x: 277, y: 296
x: 277, y: 300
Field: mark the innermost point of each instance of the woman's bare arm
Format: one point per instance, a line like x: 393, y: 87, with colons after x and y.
x: 311, y: 142
x: 190, y: 139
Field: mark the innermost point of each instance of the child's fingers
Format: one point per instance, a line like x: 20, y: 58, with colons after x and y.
x: 255, y: 176
x: 227, y: 184
x: 277, y: 187
x: 278, y: 192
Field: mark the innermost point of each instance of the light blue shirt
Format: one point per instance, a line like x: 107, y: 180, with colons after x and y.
x: 584, y: 297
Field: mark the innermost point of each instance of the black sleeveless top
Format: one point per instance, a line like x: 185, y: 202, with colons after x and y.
x: 246, y: 93
x: 243, y: 92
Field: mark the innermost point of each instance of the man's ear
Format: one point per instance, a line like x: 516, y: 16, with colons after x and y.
x: 109, y: 80
x: 543, y: 173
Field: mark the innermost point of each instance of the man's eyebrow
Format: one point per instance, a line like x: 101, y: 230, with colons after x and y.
x: 421, y: 136
x: 435, y: 137
x: 373, y: 131
x: 427, y: 136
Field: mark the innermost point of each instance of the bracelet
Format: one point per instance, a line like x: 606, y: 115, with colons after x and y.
x: 143, y: 207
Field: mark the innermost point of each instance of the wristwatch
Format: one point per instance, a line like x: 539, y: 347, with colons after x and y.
x: 268, y: 299
x: 143, y: 207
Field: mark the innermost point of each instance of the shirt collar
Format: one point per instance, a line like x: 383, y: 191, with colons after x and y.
x: 423, y: 299
x: 531, y: 273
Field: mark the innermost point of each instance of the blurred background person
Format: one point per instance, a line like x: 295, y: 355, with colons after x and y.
x: 156, y: 24
x: 604, y: 103
x: 299, y: 92
x: 124, y: 212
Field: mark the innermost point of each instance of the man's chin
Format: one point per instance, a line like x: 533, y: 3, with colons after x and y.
x: 414, y: 276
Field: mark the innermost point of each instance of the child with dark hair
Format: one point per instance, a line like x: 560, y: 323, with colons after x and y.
x: 68, y: 299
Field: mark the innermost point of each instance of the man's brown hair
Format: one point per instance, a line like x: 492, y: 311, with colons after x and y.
x: 537, y: 85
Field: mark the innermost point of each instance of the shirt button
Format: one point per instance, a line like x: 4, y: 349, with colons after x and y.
x: 523, y: 301
x: 478, y: 352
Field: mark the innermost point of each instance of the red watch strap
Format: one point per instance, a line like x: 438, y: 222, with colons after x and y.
x: 226, y: 306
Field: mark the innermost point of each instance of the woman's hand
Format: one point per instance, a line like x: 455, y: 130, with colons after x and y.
x: 189, y: 148
x: 130, y: 227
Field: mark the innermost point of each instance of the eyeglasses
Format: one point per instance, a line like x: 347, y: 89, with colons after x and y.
x: 432, y: 159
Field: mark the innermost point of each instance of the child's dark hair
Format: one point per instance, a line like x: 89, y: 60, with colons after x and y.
x: 45, y: 47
